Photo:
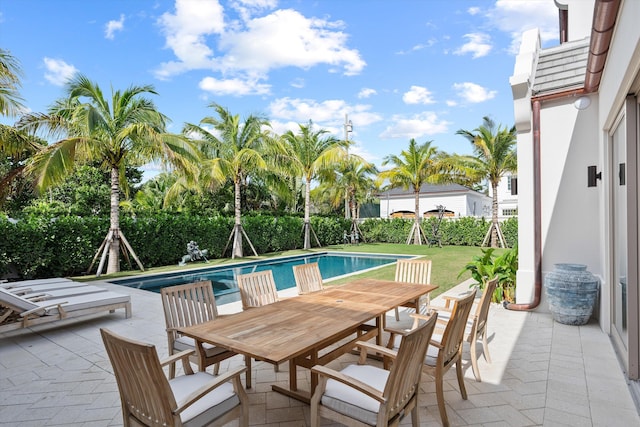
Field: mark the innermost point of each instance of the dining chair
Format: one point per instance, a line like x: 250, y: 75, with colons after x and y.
x: 188, y: 305
x: 413, y: 271
x: 148, y: 398
x: 476, y: 327
x: 445, y: 348
x: 366, y: 395
x: 257, y: 289
x: 308, y: 278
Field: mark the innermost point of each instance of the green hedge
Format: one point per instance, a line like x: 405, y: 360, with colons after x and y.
x: 65, y: 246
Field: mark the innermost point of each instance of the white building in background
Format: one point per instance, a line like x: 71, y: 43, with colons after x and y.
x: 576, y: 111
x: 508, y: 197
x: 456, y: 200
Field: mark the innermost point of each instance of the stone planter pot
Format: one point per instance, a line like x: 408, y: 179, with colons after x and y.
x: 571, y: 292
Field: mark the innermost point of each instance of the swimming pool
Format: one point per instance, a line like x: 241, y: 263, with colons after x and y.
x: 223, y: 278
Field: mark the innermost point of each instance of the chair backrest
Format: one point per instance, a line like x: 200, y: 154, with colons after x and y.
x: 405, y: 372
x: 257, y: 289
x: 482, y: 310
x: 144, y: 389
x: 414, y: 271
x: 308, y: 278
x: 190, y: 304
x: 453, y: 334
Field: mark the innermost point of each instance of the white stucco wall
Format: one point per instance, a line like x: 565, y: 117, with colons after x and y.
x: 579, y: 19
x: 462, y: 204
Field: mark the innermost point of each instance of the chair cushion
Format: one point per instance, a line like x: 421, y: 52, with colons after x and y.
x: 188, y: 343
x: 208, y: 408
x: 348, y: 401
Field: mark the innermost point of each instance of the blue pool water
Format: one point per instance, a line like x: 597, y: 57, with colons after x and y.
x: 225, y: 286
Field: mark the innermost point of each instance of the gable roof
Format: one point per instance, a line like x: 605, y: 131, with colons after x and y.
x: 561, y: 67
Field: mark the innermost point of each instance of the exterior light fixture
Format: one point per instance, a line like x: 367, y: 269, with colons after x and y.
x: 593, y: 176
x: 582, y: 103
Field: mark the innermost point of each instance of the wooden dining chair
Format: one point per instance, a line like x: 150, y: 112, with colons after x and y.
x: 476, y: 328
x: 188, y: 305
x: 413, y: 271
x: 148, y: 398
x: 365, y: 395
x: 308, y: 278
x: 445, y: 348
x: 257, y: 289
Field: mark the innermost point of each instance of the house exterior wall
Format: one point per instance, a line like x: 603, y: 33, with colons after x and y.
x: 506, y: 200
x: 461, y: 204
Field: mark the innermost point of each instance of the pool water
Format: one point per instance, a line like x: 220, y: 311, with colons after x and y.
x: 223, y: 278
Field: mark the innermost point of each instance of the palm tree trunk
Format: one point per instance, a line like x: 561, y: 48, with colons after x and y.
x: 494, y: 215
x: 113, y: 265
x: 237, y: 228
x: 417, y: 240
x: 307, y: 224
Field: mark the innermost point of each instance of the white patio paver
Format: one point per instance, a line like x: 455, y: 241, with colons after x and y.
x: 543, y: 373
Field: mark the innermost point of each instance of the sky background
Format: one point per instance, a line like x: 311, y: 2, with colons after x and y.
x: 399, y: 69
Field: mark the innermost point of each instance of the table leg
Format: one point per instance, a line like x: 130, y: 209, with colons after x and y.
x: 314, y: 376
x: 293, y: 375
x: 379, y: 326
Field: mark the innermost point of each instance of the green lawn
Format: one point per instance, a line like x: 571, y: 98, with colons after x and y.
x: 447, y: 262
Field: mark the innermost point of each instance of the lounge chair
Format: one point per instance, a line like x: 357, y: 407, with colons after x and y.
x: 57, y: 293
x: 33, y: 282
x: 53, y: 286
x: 17, y: 312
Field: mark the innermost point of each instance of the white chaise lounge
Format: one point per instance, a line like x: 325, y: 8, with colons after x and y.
x: 17, y: 312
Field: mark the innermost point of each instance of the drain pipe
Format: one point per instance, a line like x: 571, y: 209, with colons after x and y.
x: 537, y: 216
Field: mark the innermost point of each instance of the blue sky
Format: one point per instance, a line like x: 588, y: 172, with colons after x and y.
x: 399, y: 69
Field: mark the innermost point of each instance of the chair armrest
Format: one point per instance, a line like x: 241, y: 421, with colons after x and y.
x: 184, y: 354
x: 364, y: 346
x: 215, y: 383
x: 351, y: 382
x: 44, y: 309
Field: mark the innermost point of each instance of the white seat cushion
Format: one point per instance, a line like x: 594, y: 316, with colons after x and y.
x: 188, y: 343
x: 346, y: 400
x: 210, y: 407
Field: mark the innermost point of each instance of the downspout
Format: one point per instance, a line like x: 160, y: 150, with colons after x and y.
x: 537, y: 216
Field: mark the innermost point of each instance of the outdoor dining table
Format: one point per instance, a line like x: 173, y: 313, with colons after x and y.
x: 298, y: 329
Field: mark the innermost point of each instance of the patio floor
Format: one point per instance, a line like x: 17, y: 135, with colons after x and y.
x: 543, y: 373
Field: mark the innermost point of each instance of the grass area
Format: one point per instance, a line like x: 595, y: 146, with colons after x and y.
x: 447, y: 262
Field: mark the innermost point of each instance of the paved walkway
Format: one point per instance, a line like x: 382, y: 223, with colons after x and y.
x: 543, y: 373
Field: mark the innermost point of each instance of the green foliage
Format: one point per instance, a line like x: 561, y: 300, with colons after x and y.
x: 487, y: 266
x: 509, y: 229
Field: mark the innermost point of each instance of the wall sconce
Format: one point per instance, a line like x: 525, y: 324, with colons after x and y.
x: 593, y: 176
x: 582, y: 103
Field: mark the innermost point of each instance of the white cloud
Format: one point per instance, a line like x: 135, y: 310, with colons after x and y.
x: 253, y: 45
x: 473, y: 10
x: 298, y: 83
x: 186, y: 32
x: 328, y: 114
x: 451, y: 103
x: 112, y: 26
x: 420, y: 125
x: 366, y: 92
x: 418, y: 95
x: 58, y: 72
x: 473, y: 93
x: 235, y: 87
x: 478, y: 44
x: 286, y: 38
x: 516, y: 16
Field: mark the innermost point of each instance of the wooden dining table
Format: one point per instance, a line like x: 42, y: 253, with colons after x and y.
x: 309, y: 329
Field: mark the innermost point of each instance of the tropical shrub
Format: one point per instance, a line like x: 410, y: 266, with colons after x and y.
x: 487, y: 266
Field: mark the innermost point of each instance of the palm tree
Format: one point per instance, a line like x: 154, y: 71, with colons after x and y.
x: 236, y: 151
x: 307, y: 153
x: 10, y: 73
x: 129, y: 131
x: 495, y: 155
x: 418, y: 165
